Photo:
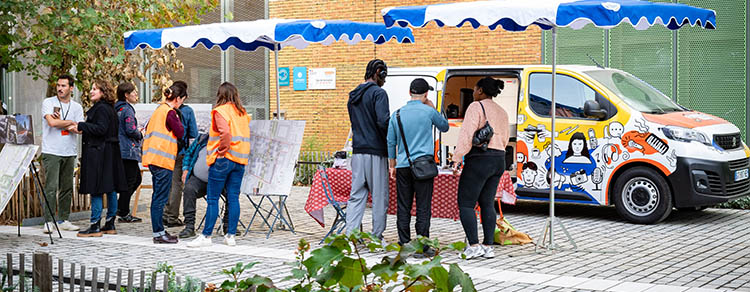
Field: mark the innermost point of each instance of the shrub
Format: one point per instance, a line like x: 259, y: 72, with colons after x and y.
x: 741, y: 203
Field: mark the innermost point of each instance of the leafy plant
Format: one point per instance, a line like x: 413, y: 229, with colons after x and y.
x: 741, y: 203
x: 253, y: 283
x: 5, y: 285
x: 340, y: 266
x: 191, y: 284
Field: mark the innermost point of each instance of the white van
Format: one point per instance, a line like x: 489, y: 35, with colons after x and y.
x: 619, y: 141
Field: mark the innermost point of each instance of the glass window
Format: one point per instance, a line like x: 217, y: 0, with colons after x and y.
x: 570, y: 96
x: 638, y: 94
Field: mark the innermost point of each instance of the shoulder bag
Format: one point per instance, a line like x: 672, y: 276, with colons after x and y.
x: 483, y: 135
x: 423, y: 167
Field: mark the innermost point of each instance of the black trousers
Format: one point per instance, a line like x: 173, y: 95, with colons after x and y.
x: 478, y: 184
x: 133, y: 178
x: 194, y: 189
x: 406, y: 188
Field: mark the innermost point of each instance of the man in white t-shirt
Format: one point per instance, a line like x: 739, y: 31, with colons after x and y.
x: 59, y: 151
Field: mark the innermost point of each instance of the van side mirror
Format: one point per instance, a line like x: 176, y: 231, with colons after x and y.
x: 591, y: 108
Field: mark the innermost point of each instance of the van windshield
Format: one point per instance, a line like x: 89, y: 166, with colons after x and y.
x: 638, y: 94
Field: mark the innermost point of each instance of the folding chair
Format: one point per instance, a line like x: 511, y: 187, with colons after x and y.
x: 338, y: 206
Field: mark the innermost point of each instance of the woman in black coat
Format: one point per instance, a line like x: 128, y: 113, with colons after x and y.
x: 102, y: 171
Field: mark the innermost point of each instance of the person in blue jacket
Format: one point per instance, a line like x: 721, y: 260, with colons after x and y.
x: 130, y: 148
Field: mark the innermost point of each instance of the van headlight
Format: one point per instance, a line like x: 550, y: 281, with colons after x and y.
x: 685, y: 135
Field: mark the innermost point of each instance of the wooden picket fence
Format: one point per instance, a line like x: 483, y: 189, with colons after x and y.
x: 25, y: 202
x: 307, y: 165
x: 45, y: 278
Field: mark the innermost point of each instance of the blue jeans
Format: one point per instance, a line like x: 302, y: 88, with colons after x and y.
x: 97, y: 204
x: 162, y: 180
x: 224, y: 173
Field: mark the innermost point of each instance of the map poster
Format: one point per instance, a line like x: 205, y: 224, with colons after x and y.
x: 274, y: 150
x: 16, y: 160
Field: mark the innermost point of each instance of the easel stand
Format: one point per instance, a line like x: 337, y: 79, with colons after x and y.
x: 276, y: 212
x: 35, y: 173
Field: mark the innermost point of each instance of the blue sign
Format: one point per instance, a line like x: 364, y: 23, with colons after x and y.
x: 300, y: 78
x: 283, y: 76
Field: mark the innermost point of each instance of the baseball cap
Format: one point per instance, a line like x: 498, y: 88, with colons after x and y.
x: 419, y: 86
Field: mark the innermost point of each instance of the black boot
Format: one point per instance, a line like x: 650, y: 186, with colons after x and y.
x: 92, y: 231
x: 109, y: 226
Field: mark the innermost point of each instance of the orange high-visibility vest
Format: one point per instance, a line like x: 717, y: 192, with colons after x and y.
x: 239, y: 126
x: 159, y: 144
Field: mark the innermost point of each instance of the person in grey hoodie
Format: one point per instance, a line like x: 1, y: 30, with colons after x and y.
x: 369, y: 114
x: 130, y: 148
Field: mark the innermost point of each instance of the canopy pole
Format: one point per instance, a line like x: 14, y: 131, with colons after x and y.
x: 276, y: 48
x: 542, y: 242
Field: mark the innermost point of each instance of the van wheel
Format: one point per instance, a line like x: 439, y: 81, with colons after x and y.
x: 642, y: 196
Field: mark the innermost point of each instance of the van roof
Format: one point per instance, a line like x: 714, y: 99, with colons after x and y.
x: 431, y: 71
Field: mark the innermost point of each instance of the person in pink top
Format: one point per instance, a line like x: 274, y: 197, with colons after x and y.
x: 483, y: 165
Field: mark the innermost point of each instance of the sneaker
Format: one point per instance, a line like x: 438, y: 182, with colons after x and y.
x: 489, y: 251
x: 200, y: 241
x: 66, y: 225
x: 473, y: 252
x: 229, y: 240
x: 47, y: 227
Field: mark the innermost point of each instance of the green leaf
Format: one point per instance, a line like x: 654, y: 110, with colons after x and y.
x: 321, y: 257
x: 440, y: 277
x: 423, y: 270
x: 457, y: 246
x: 458, y: 277
x: 352, y: 272
x: 393, y: 247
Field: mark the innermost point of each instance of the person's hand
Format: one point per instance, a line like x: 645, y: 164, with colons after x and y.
x: 456, y: 168
x: 184, y: 176
x: 55, y: 115
x: 392, y: 172
x: 428, y: 102
x: 73, y: 128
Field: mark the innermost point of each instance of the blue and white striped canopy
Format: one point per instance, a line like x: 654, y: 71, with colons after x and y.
x: 268, y: 33
x: 515, y: 15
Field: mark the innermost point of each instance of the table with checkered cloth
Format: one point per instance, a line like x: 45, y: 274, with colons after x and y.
x: 444, y: 201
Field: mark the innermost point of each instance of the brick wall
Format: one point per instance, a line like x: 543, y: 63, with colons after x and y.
x: 325, y: 110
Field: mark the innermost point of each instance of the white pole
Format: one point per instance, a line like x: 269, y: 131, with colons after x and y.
x: 552, y: 146
x: 277, y: 47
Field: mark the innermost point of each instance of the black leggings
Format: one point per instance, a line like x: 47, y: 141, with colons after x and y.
x: 133, y: 177
x: 478, y: 184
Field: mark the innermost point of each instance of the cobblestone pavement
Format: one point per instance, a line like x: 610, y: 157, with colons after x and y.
x: 690, y: 251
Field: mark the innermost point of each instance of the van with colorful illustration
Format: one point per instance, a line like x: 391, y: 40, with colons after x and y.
x: 618, y: 140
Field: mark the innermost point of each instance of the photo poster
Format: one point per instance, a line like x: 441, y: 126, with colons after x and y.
x: 143, y: 112
x: 274, y: 150
x: 17, y: 129
x: 16, y: 159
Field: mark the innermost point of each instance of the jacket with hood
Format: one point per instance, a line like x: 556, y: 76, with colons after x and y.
x: 369, y: 114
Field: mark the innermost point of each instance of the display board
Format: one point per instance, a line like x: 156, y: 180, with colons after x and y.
x: 143, y: 112
x: 274, y: 149
x: 15, y: 160
x: 16, y: 129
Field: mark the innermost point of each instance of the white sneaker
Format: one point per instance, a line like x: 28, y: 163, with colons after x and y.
x: 66, y: 225
x: 473, y: 252
x: 489, y: 251
x: 200, y: 241
x: 229, y: 240
x: 47, y: 227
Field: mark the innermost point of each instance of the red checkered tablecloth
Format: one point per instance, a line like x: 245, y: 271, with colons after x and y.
x: 444, y: 201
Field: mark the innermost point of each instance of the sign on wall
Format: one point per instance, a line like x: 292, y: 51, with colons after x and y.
x: 322, y: 78
x: 300, y: 78
x: 283, y: 76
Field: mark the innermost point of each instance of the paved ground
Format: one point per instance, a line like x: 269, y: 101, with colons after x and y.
x: 687, y: 252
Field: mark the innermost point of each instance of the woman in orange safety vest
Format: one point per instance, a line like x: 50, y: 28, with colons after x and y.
x: 228, y: 152
x: 163, y: 131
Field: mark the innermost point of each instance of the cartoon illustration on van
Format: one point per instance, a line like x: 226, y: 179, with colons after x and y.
x: 618, y: 140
